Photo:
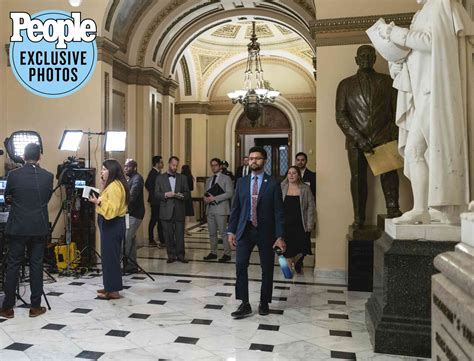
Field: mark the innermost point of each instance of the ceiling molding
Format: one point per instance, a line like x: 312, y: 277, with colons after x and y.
x: 111, y: 13
x: 144, y: 76
x: 106, y: 50
x: 345, y: 31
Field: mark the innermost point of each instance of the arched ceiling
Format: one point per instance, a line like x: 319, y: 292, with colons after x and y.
x: 154, y: 33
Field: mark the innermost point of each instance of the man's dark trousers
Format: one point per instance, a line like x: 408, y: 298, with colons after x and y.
x: 244, y: 248
x: 16, y: 256
x: 155, y: 221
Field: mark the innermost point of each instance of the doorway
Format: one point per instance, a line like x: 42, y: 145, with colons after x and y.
x: 278, y: 159
x: 273, y: 132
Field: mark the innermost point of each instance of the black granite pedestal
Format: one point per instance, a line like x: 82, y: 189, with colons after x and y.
x: 398, y: 313
x: 360, y: 257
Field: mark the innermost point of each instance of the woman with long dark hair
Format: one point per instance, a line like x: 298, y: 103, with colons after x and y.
x: 111, y: 207
x: 188, y: 204
x: 300, y: 209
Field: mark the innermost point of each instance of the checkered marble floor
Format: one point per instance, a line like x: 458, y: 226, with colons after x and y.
x: 185, y: 315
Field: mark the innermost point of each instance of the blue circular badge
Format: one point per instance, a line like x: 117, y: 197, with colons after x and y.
x: 49, y: 70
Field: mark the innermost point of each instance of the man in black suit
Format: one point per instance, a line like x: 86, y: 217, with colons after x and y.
x: 243, y: 170
x: 29, y: 190
x: 154, y: 204
x: 307, y: 176
x: 257, y: 218
x: 172, y: 191
x: 136, y: 212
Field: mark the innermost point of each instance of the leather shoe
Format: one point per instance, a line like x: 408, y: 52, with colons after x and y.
x: 242, y: 311
x: 171, y: 260
x: 152, y: 242
x: 7, y: 312
x: 263, y: 309
x: 183, y: 260
x: 102, y: 290
x: 161, y: 245
x: 224, y: 258
x: 210, y: 256
x: 36, y: 311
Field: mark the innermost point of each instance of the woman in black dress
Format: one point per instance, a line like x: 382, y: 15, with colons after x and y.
x: 299, y: 209
x: 189, y: 209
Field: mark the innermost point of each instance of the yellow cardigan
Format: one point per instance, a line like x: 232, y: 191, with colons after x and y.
x: 112, y: 201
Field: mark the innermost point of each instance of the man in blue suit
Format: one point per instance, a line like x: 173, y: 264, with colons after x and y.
x: 257, y: 218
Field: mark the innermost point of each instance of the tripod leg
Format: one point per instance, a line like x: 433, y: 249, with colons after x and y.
x: 138, y: 266
x: 46, y: 300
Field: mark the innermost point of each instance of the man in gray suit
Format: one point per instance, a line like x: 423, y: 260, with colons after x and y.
x: 171, y: 190
x: 218, y: 209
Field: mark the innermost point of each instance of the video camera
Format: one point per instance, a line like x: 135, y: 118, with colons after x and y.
x: 73, y: 173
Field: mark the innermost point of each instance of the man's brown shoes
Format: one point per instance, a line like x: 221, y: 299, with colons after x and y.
x: 7, y: 312
x: 36, y: 311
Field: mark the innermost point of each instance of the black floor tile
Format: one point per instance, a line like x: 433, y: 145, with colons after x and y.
x: 214, y: 307
x: 269, y: 327
x: 141, y: 316
x: 279, y: 298
x: 171, y: 290
x: 90, y: 355
x: 340, y: 333
x: 183, y: 281
x: 117, y: 333
x: 188, y: 340
x: 3, y: 320
x: 198, y: 321
x: 335, y: 291
x: 138, y: 278
x: 221, y: 294
x: 343, y: 355
x: 229, y: 284
x: 16, y: 346
x: 76, y: 283
x: 54, y: 294
x: 81, y: 310
x: 333, y: 302
x: 339, y: 316
x: 156, y: 302
x: 126, y: 287
x: 282, y: 288
x: 276, y: 312
x: 53, y: 326
x: 261, y: 347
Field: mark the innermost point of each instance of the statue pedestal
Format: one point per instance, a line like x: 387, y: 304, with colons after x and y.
x: 452, y: 299
x: 360, y: 257
x: 398, y: 313
x: 432, y: 232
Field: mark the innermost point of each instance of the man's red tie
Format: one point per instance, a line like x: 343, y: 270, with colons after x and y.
x: 254, y: 201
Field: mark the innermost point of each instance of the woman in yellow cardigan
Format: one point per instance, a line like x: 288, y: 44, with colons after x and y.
x: 111, y: 207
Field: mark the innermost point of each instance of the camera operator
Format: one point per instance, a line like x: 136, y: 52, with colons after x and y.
x: 28, y: 190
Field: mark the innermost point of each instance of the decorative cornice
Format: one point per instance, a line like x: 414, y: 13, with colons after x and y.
x: 222, y: 105
x: 106, y: 50
x: 192, y: 107
x: 345, y: 31
x: 144, y: 76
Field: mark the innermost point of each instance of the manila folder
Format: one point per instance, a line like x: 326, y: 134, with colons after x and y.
x: 385, y: 158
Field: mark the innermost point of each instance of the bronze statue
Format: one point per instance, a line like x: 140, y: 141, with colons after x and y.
x: 365, y: 112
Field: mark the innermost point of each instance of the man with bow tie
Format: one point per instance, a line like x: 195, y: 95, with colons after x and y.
x: 171, y: 191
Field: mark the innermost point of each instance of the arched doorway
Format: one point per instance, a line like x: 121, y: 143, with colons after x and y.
x: 273, y: 132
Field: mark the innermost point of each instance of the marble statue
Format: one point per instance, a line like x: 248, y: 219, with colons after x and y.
x: 432, y: 109
x: 365, y: 112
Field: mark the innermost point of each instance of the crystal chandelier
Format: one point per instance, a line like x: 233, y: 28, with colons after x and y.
x: 257, y: 91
